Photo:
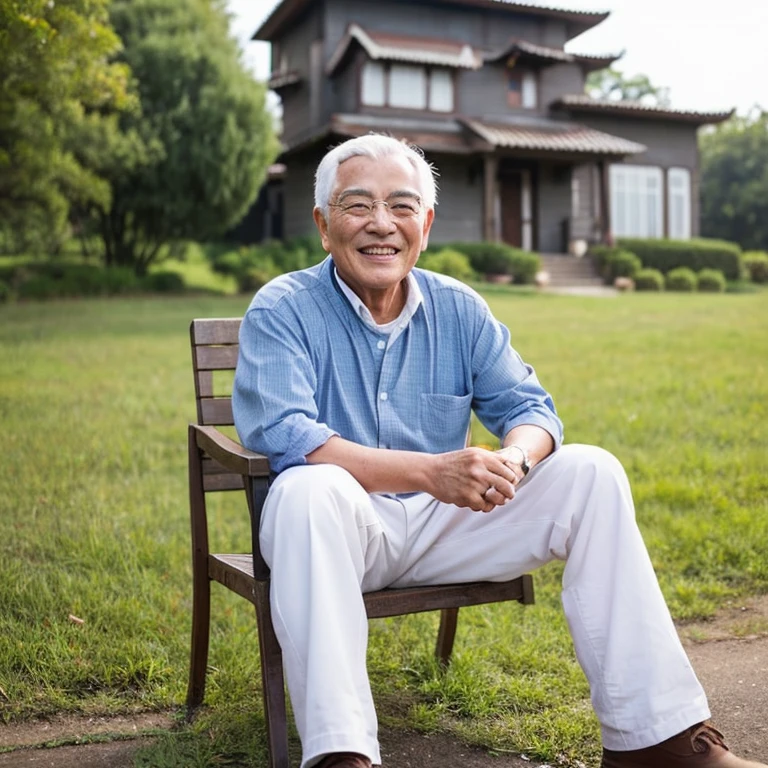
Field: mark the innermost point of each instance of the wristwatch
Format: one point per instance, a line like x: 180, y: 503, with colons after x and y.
x: 525, y: 462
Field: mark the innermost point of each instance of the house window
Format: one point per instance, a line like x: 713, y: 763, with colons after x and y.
x: 407, y: 86
x: 522, y: 89
x: 679, y: 196
x: 374, y: 84
x: 636, y: 201
x: 440, y: 90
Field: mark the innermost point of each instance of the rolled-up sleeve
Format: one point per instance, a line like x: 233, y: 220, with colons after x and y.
x: 273, y: 398
x: 507, y: 392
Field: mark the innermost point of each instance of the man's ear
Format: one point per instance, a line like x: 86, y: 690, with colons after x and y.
x: 428, y: 220
x: 322, y: 228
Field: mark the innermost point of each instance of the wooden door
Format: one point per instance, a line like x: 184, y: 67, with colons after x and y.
x: 511, y: 194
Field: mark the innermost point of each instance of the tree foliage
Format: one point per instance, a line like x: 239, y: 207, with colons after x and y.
x: 613, y: 85
x: 191, y: 163
x: 734, y: 181
x: 55, y: 78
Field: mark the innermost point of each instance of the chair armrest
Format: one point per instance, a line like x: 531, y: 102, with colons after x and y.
x: 229, y: 453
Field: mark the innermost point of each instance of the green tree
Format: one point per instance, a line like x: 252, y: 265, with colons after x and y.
x: 55, y: 77
x: 191, y: 163
x: 614, y: 85
x: 734, y: 181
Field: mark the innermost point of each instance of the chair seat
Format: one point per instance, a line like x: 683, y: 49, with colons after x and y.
x: 236, y: 573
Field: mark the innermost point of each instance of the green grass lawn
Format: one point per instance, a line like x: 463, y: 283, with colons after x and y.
x: 94, y: 401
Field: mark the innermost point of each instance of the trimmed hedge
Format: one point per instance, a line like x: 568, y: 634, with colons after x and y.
x: 696, y: 254
x: 491, y: 258
x: 681, y: 279
x: 649, y: 280
x: 710, y: 281
x: 448, y: 262
x: 756, y: 265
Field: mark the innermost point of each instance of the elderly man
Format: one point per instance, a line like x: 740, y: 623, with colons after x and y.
x: 356, y: 378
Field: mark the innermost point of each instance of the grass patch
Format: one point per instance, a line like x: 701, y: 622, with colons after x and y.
x: 94, y: 401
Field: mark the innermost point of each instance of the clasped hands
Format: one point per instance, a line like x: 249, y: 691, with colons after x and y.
x: 476, y: 478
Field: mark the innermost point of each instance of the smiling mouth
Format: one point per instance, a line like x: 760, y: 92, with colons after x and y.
x: 371, y: 251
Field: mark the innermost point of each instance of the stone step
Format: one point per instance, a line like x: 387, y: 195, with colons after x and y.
x: 567, y: 270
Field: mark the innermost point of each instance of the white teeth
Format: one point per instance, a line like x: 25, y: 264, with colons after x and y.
x: 379, y: 251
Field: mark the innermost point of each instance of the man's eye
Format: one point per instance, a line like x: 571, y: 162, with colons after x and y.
x: 357, y: 207
x: 404, y: 208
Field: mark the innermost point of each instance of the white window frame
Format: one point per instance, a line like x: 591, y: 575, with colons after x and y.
x: 384, y: 84
x: 679, y: 203
x: 637, y: 200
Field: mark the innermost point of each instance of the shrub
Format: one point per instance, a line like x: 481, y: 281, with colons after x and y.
x: 164, y: 282
x: 619, y: 263
x: 448, y: 262
x: 5, y: 291
x: 649, y: 280
x: 681, y: 279
x: 253, y: 278
x: 696, y: 254
x: 490, y: 258
x: 228, y: 263
x: 710, y: 280
x: 756, y: 265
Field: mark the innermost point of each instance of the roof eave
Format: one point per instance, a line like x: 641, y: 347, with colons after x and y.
x: 644, y: 113
x: 577, y: 22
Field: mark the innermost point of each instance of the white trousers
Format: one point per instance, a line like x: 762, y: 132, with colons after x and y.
x: 327, y: 541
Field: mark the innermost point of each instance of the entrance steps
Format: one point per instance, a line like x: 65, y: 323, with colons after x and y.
x: 570, y: 271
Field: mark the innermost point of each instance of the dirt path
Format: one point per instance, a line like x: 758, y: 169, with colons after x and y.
x: 730, y: 655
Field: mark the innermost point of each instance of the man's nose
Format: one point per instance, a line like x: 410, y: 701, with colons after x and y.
x: 380, y: 218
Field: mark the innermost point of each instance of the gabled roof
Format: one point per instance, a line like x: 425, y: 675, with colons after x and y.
x: 581, y: 103
x: 418, y: 50
x: 577, y: 22
x: 552, y: 136
x: 543, y: 53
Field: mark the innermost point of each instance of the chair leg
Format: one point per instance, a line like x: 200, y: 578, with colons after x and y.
x: 272, y: 680
x: 198, y: 661
x: 448, y: 620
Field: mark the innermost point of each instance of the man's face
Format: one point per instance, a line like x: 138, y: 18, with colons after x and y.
x: 374, y: 252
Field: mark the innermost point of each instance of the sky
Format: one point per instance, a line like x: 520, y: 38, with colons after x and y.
x: 710, y: 54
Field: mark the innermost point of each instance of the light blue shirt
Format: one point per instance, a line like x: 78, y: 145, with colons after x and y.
x: 310, y: 368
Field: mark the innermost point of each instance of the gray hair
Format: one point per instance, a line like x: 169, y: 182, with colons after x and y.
x: 375, y: 146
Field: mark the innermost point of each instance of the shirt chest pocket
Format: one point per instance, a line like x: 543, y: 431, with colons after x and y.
x: 444, y: 419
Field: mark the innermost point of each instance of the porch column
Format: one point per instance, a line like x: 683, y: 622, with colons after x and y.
x: 605, y: 201
x: 490, y: 168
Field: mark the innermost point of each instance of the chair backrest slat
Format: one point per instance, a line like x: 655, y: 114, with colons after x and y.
x: 214, y: 348
x: 216, y: 358
x: 216, y: 411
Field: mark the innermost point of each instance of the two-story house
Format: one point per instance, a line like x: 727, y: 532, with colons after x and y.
x: 487, y: 90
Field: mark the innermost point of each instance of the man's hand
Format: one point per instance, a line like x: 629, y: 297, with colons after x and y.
x: 474, y: 478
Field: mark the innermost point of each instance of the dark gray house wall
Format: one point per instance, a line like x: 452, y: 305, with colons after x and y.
x: 294, y: 52
x: 459, y: 212
x: 669, y: 143
x: 558, y: 79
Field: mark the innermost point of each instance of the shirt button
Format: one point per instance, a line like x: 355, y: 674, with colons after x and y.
x: 383, y: 396
x: 381, y: 344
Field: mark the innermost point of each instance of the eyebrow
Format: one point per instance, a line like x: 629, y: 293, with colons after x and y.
x: 360, y: 192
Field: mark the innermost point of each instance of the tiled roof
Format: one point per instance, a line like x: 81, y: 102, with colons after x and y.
x: 545, y: 53
x: 287, y: 12
x: 466, y: 136
x: 552, y: 136
x: 431, y: 135
x: 583, y: 103
x: 416, y: 50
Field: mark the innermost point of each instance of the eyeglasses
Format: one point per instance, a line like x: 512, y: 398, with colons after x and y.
x: 363, y: 208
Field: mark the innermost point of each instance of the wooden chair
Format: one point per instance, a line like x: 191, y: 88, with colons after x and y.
x: 218, y: 463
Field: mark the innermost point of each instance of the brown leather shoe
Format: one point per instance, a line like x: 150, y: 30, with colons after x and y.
x: 700, y: 746
x: 344, y: 760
